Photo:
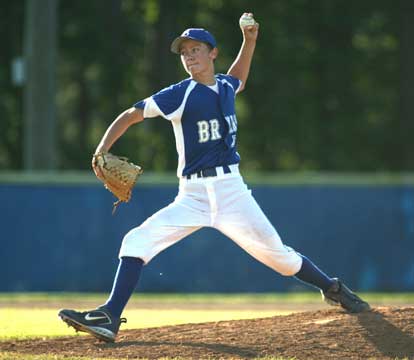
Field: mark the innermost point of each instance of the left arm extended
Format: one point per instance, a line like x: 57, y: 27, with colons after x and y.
x: 241, y: 65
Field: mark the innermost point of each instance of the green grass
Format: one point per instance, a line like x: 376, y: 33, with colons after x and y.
x: 31, y: 315
x: 209, y: 298
x: 22, y: 323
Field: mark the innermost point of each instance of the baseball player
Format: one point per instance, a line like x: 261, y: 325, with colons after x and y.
x: 211, y: 192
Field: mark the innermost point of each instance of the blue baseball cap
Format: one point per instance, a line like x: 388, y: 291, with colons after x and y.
x: 196, y: 34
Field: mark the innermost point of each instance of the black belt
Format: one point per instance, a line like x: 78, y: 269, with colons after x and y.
x: 210, y: 172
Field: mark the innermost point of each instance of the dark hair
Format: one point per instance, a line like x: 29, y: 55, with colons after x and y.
x: 209, y: 46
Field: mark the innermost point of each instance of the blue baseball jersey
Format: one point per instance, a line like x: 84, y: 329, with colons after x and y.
x: 203, y: 120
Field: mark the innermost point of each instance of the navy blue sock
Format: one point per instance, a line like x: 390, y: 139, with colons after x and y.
x: 311, y: 274
x: 126, y: 279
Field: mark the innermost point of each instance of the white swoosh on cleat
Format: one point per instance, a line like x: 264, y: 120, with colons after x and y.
x: 91, y: 318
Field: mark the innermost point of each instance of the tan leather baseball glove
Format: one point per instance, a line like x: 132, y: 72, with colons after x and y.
x: 118, y: 174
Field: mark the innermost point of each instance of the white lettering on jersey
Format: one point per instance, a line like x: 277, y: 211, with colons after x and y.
x: 233, y: 143
x: 203, y: 131
x: 232, y: 121
x: 214, y: 128
x: 208, y: 130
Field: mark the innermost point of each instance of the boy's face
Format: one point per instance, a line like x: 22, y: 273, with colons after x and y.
x: 197, y: 57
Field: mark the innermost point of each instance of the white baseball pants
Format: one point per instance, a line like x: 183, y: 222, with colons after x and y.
x: 223, y: 202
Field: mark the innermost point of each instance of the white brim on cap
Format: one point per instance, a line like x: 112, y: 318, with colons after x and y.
x: 175, y: 45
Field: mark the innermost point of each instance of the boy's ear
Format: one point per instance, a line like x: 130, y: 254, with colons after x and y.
x: 214, y: 53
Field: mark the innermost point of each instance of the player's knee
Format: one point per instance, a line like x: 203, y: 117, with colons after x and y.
x: 288, y: 270
x: 130, y: 237
x: 133, y: 246
x: 289, y: 265
x: 139, y: 234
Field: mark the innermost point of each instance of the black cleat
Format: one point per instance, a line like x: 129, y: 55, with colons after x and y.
x: 99, y: 322
x: 339, y: 295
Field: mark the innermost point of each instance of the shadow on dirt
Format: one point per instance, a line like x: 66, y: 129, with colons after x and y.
x: 387, y: 338
x: 218, y: 348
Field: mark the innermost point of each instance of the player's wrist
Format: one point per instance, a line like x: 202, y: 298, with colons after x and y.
x: 249, y: 39
x: 100, y: 150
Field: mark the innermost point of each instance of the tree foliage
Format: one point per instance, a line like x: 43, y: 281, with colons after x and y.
x: 328, y: 88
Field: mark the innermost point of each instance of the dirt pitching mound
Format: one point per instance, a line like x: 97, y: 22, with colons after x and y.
x: 383, y: 333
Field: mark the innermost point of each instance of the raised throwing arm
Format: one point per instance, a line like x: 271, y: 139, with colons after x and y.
x: 241, y: 65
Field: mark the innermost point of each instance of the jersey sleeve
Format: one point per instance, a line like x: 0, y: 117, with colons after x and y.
x: 236, y: 83
x: 162, y: 103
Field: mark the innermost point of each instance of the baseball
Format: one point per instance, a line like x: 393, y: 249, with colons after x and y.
x: 246, y: 20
